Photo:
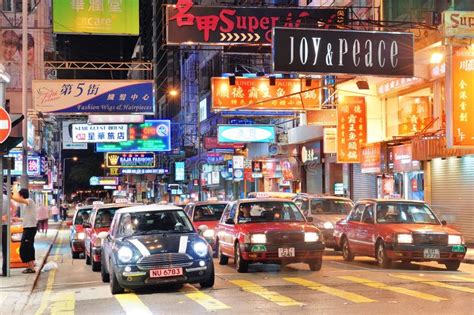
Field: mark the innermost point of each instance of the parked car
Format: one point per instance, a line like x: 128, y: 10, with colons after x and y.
x: 325, y: 211
x: 100, y: 220
x: 391, y: 230
x: 205, y: 215
x: 267, y: 231
x: 152, y: 245
x: 77, y: 234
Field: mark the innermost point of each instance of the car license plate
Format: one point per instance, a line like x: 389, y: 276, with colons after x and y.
x: 431, y: 253
x: 286, y: 252
x: 168, y: 272
x: 458, y: 249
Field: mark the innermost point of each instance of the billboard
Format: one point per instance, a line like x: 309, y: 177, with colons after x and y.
x: 113, y: 17
x: 458, y: 24
x: 93, y: 96
x: 343, y: 51
x: 258, y: 94
x: 179, y: 171
x: 33, y: 164
x: 68, y: 144
x: 351, y: 128
x: 246, y: 133
x: 85, y: 133
x: 130, y: 160
x: 150, y: 136
x: 232, y: 25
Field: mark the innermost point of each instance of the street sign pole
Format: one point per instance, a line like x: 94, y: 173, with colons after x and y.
x: 9, y: 192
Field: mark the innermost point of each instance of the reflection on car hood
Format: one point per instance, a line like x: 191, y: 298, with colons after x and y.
x: 421, y: 228
x: 333, y: 218
x: 161, y: 243
x: 278, y: 226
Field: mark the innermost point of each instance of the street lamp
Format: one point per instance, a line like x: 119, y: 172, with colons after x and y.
x: 173, y: 92
x: 75, y: 158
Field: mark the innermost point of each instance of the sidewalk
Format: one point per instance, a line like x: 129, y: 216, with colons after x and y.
x: 469, y: 258
x: 15, y: 290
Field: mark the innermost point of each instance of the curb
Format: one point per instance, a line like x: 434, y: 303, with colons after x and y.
x: 45, y: 258
x: 468, y: 261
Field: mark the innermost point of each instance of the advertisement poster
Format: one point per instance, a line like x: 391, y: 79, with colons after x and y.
x: 371, y: 160
x: 351, y: 128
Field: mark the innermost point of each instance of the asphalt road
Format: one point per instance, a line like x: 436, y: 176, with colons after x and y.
x: 358, y: 287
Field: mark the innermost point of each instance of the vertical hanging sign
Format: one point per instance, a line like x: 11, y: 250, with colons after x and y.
x: 351, y: 128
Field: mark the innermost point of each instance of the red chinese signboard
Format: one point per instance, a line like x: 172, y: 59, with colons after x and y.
x: 371, y: 161
x: 463, y: 96
x: 258, y: 94
x: 225, y: 25
x: 414, y: 113
x: 351, y: 128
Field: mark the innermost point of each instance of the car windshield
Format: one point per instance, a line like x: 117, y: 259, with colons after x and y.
x: 330, y: 206
x: 269, y: 211
x: 82, y: 216
x: 149, y: 222
x: 405, y: 213
x: 210, y: 212
x: 104, y: 217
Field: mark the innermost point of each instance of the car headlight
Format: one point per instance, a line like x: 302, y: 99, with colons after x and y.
x: 208, y: 233
x: 258, y: 238
x: 80, y: 235
x: 328, y: 225
x: 404, y: 238
x: 16, y: 237
x: 125, y: 254
x: 311, y: 237
x: 200, y: 248
x: 454, y: 240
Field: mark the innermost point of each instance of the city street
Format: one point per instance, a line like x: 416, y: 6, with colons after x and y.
x: 339, y: 288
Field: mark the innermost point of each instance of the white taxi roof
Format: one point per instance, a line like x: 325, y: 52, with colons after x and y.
x: 145, y: 208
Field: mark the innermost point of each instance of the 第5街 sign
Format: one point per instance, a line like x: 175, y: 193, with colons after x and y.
x: 112, y: 17
x: 93, y: 96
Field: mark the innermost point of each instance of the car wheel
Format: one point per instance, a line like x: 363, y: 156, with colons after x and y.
x: 88, y: 258
x: 346, y: 251
x: 240, y: 264
x: 381, y: 256
x: 452, y: 265
x: 115, y: 287
x: 316, y: 264
x: 209, y: 283
x: 103, y: 273
x: 75, y: 255
x: 223, y: 260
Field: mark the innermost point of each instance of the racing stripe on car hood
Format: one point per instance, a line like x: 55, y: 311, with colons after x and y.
x: 139, y: 245
x: 183, y: 244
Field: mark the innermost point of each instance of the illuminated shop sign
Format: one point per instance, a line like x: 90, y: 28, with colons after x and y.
x: 351, y: 128
x: 246, y: 133
x: 130, y: 160
x: 99, y: 133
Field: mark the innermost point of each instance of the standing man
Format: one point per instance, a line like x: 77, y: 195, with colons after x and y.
x: 55, y: 213
x: 28, y: 218
x: 63, y: 209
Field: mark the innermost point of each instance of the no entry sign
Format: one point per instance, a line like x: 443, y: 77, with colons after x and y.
x: 5, y: 125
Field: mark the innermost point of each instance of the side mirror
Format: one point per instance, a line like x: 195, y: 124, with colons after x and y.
x: 310, y: 219
x: 86, y: 225
x: 103, y: 235
x: 68, y: 223
x: 229, y: 221
x: 443, y: 222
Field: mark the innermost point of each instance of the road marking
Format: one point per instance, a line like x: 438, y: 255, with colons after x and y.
x: 435, y: 283
x: 49, y: 284
x: 265, y: 293
x: 64, y: 304
x: 463, y: 278
x: 380, y: 285
x: 207, y: 301
x: 132, y: 304
x: 353, y: 297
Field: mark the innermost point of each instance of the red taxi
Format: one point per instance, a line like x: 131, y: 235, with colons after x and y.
x: 77, y: 235
x: 267, y: 231
x: 100, y: 219
x: 403, y: 230
x: 205, y: 215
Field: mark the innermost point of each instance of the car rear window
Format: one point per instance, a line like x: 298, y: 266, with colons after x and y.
x: 211, y: 212
x: 325, y: 206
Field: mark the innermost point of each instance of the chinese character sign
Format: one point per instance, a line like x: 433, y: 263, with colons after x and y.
x: 414, y: 114
x: 99, y: 133
x: 463, y: 96
x: 106, y: 17
x: 351, y: 128
x: 93, y: 96
x: 257, y: 93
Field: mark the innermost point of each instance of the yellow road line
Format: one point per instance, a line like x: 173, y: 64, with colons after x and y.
x: 49, y: 284
x: 382, y: 286
x: 64, y: 304
x: 353, y: 297
x: 132, y: 304
x: 265, y: 293
x: 207, y: 301
x: 435, y: 283
x: 463, y: 278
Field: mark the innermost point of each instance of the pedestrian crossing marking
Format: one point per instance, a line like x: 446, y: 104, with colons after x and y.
x: 380, y: 285
x: 64, y: 304
x: 463, y: 278
x: 207, y: 301
x: 353, y: 297
x: 271, y: 296
x: 435, y: 283
x: 132, y: 304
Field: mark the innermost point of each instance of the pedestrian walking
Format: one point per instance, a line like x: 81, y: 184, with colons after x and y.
x: 55, y: 213
x: 28, y: 219
x: 63, y: 210
x: 42, y: 216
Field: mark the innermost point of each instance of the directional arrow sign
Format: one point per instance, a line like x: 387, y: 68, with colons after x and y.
x: 5, y: 125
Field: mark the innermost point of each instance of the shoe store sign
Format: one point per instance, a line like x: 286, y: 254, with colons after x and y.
x: 342, y: 52
x: 130, y: 160
x: 191, y: 24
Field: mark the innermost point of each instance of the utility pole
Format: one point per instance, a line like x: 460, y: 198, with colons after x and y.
x: 24, y: 65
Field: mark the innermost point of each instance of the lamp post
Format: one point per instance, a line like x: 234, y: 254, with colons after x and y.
x: 75, y: 158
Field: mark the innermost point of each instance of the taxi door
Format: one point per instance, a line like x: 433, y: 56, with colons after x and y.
x: 227, y: 230
x: 367, y: 231
x: 88, y: 232
x: 353, y: 228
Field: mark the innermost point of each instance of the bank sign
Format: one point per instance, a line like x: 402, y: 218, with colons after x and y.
x: 342, y: 52
x: 85, y: 133
x: 130, y: 160
x: 93, y: 96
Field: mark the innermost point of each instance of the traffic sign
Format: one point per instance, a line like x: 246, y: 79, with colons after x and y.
x: 5, y: 125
